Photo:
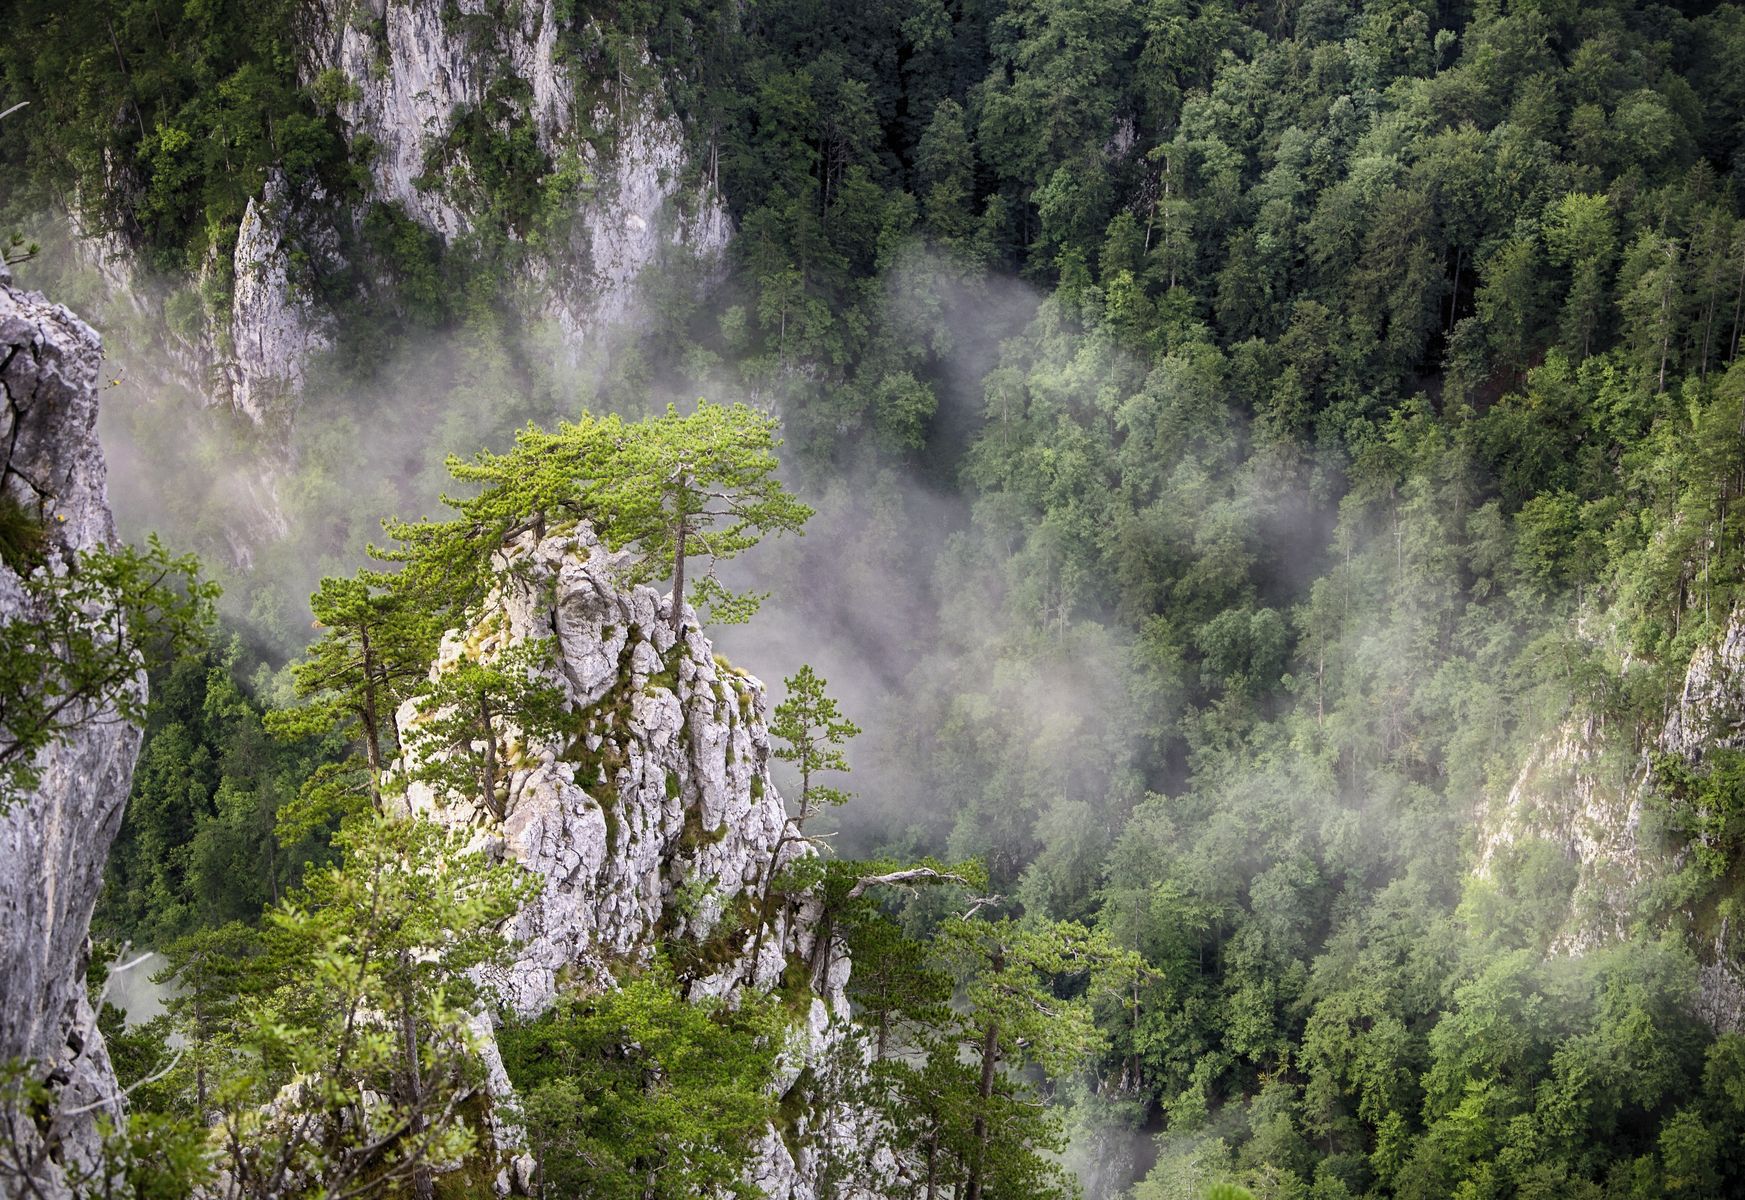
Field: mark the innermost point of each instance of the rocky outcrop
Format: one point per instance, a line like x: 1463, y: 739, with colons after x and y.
x: 55, y: 840
x: 1584, y: 795
x: 1710, y: 711
x: 653, y: 818
x: 412, y: 79
x: 419, y: 87
x: 274, y: 326
x: 1585, y: 791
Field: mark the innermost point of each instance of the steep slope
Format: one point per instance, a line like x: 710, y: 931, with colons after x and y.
x: 444, y: 105
x: 53, y: 843
x: 1592, y: 793
x: 653, y: 819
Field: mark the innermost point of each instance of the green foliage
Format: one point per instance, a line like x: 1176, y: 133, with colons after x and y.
x: 1379, y: 418
x: 1228, y: 1191
x: 74, y: 653
x: 1706, y: 806
x: 638, y: 1092
x: 376, y: 648
x: 491, y: 159
x: 812, y: 732
x: 332, y: 1048
x: 144, y: 1157
x: 164, y: 119
x: 23, y: 539
x: 203, y: 840
x: 673, y: 486
x: 364, y: 985
x: 466, y: 714
x: 960, y: 1022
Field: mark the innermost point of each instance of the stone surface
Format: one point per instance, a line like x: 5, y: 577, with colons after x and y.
x: 53, y: 843
x: 417, y: 67
x: 651, y: 817
x: 414, y: 68
x: 1585, y: 791
x: 274, y: 328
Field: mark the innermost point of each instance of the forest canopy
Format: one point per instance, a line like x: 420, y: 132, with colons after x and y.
x: 1242, y: 438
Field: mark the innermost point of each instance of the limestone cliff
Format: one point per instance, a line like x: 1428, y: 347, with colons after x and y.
x: 54, y: 842
x: 274, y: 328
x: 418, y: 86
x: 653, y: 817
x: 1586, y: 789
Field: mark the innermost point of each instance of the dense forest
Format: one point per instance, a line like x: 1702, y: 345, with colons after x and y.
x: 1240, y: 437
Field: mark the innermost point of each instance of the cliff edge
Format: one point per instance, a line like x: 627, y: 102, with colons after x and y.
x: 55, y: 840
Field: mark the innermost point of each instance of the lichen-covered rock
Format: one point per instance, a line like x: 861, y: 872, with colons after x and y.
x: 416, y: 72
x: 415, y: 83
x: 1710, y: 712
x: 654, y: 816
x: 1581, y: 794
x: 54, y: 842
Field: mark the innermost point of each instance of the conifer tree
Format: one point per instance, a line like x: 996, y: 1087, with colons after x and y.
x: 367, y: 993
x: 673, y: 487
x: 812, y: 730
x: 468, y: 712
x: 376, y: 648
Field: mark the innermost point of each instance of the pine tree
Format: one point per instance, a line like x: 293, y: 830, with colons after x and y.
x: 356, y: 1058
x: 376, y: 649
x: 812, y: 731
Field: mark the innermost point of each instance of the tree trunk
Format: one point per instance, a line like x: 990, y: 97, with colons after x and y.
x: 202, y: 1040
x: 372, y: 720
x: 1454, y: 296
x: 1738, y: 309
x: 979, y: 1149
x: 769, y: 875
x: 678, y: 613
x: 1666, y: 318
x: 490, y: 733
x: 1709, y: 321
x: 422, y: 1186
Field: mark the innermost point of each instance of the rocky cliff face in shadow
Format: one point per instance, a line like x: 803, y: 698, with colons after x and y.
x: 54, y: 841
x: 1585, y: 789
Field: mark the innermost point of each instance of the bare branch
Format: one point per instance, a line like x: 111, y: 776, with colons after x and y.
x: 904, y: 879
x: 981, y: 902
x: 128, y: 1090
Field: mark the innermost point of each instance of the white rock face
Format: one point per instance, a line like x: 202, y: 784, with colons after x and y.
x: 1579, y: 791
x: 273, y: 328
x: 53, y: 843
x: 1571, y: 793
x: 1711, y: 707
x: 416, y: 66
x: 654, y: 813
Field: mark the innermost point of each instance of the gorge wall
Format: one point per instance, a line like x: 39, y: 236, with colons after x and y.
x: 423, y: 90
x: 1590, y: 790
x: 55, y: 839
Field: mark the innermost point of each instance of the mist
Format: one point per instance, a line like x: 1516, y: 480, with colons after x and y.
x: 1001, y: 708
